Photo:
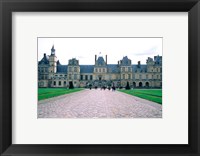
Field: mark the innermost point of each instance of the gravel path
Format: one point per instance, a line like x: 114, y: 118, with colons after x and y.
x: 98, y: 104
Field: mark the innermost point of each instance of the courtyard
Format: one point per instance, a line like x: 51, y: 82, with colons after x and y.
x: 98, y: 104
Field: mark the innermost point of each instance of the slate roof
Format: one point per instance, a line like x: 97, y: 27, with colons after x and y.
x: 86, y: 68
x: 62, y: 69
x: 158, y: 59
x: 52, y: 49
x: 44, y: 60
x: 113, y: 68
x: 140, y: 68
x: 58, y: 63
x: 100, y: 60
x: 125, y: 60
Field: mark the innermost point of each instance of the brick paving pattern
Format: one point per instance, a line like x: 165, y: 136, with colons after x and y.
x: 98, y: 104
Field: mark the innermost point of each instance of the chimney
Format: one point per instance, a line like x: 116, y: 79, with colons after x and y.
x: 95, y: 58
x: 106, y: 59
x: 44, y: 54
x: 138, y: 63
x: 118, y: 62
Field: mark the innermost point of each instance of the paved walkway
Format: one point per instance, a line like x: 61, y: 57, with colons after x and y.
x: 98, y: 104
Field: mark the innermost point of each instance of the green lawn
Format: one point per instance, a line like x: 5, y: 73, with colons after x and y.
x: 154, y: 95
x: 45, y: 93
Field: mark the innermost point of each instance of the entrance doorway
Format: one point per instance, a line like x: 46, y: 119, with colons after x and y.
x: 71, y: 86
x: 140, y: 84
x: 100, y: 78
x: 147, y: 84
x: 134, y: 84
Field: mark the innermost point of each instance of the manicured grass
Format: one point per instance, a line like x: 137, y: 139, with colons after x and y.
x: 45, y: 93
x: 154, y: 95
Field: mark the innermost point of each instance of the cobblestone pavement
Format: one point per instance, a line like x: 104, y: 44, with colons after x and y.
x: 98, y: 104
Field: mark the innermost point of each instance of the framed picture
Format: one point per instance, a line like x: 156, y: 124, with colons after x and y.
x: 92, y: 85
x: 99, y: 77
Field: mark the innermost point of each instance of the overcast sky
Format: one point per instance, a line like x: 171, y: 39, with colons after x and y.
x: 84, y: 49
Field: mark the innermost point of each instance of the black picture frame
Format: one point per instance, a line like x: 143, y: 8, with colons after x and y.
x: 9, y: 6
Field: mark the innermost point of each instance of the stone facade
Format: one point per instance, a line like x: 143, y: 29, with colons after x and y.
x: 52, y: 74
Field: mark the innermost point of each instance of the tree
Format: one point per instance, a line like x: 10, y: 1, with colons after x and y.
x: 127, y: 85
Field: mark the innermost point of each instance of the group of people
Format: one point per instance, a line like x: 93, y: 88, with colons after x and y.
x: 104, y: 88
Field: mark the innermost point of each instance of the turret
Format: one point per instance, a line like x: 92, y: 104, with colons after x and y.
x: 53, y: 61
x: 53, y: 50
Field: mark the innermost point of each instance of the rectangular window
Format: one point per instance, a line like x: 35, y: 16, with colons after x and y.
x: 90, y: 77
x: 123, y: 76
x: 64, y: 82
x: 96, y: 70
x: 99, y: 70
x: 54, y: 83
x: 147, y: 77
x: 59, y: 83
x: 103, y: 70
x: 86, y: 77
x: 75, y: 76
x: 81, y: 77
x: 75, y: 69
x: 70, y: 69
x: 129, y: 76
x: 70, y: 76
x: 140, y: 77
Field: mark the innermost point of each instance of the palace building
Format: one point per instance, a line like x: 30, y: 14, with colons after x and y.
x: 51, y: 73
